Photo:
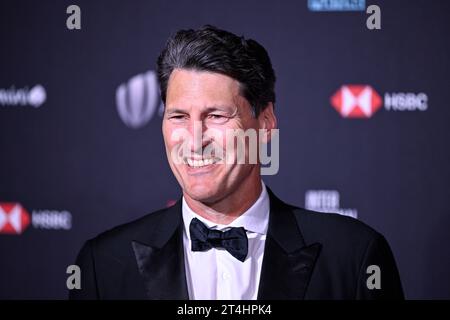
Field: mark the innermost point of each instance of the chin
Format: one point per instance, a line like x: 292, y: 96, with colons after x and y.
x: 202, y: 192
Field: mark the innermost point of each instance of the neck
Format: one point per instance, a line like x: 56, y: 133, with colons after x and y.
x: 227, y: 209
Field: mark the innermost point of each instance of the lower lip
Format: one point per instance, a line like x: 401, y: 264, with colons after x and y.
x: 200, y: 170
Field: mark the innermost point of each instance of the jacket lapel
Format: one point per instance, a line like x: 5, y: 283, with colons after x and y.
x: 160, y: 258
x: 287, y: 265
x: 288, y: 262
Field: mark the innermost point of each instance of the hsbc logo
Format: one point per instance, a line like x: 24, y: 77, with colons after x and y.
x: 362, y: 101
x: 356, y: 101
x: 14, y: 219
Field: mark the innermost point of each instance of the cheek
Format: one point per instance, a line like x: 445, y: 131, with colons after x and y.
x: 217, y: 135
x: 167, y: 132
x: 221, y: 133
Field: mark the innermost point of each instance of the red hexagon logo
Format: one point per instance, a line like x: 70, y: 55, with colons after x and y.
x: 14, y: 219
x: 356, y: 101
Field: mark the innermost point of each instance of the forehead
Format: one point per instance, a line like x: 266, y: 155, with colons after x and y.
x: 188, y: 88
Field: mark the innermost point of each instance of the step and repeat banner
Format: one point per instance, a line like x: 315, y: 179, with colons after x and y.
x: 362, y: 104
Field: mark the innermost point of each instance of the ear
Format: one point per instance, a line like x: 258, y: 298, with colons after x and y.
x: 268, y: 121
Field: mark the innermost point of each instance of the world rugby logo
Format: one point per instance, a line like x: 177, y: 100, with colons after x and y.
x: 137, y: 99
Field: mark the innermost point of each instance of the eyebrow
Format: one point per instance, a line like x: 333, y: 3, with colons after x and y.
x: 207, y: 110
x: 174, y: 110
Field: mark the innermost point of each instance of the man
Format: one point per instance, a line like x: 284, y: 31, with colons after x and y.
x: 229, y: 236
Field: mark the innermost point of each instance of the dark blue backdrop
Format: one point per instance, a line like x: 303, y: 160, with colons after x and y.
x: 74, y: 165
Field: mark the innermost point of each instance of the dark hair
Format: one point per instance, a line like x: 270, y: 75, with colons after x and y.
x: 215, y: 50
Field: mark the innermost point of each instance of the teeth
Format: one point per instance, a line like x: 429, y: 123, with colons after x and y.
x: 199, y: 163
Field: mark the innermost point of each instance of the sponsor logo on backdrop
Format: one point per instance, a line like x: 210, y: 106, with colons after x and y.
x: 362, y: 101
x: 13, y: 96
x: 373, y: 21
x: 356, y: 101
x: 327, y: 201
x: 51, y: 219
x: 15, y: 219
x: 138, y: 99
x: 336, y: 5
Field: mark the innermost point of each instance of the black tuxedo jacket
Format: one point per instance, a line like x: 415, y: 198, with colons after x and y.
x: 308, y: 255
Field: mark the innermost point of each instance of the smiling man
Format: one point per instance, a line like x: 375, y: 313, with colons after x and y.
x: 229, y: 236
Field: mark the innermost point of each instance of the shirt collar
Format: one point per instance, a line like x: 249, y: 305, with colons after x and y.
x: 255, y: 219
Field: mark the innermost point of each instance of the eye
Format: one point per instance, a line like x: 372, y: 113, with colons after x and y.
x: 216, y: 116
x: 177, y: 117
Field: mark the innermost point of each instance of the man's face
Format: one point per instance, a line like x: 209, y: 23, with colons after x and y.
x: 204, y: 107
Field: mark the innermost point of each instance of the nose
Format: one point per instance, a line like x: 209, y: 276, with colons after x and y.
x: 198, y: 139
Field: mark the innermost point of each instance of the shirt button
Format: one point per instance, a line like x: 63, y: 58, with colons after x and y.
x: 225, y: 276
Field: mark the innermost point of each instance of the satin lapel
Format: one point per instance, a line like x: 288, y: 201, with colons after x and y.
x: 160, y: 258
x: 288, y: 262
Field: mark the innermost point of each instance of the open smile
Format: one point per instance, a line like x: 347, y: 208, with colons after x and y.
x: 200, y: 165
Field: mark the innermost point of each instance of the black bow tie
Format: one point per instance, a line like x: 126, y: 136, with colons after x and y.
x: 234, y: 240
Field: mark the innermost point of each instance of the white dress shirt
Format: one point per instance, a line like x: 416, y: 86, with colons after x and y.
x: 217, y: 275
